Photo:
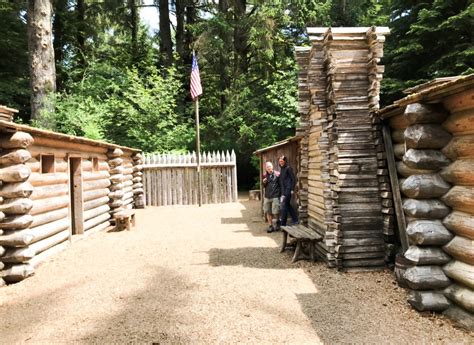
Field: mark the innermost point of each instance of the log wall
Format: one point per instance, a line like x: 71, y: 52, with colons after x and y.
x: 36, y: 208
x: 348, y: 184
x: 302, y: 59
x: 435, y: 163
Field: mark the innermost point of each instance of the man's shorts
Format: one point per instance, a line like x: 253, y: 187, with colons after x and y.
x: 271, y: 205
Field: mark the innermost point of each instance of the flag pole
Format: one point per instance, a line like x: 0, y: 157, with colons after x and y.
x: 198, y: 150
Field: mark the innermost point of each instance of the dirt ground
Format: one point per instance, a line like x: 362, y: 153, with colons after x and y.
x: 206, y: 275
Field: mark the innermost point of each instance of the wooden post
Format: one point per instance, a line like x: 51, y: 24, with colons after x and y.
x: 198, y: 151
x: 397, y: 199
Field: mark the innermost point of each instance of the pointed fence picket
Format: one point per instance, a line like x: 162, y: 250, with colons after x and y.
x: 171, y: 179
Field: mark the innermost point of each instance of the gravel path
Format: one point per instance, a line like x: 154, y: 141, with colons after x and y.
x: 209, y: 275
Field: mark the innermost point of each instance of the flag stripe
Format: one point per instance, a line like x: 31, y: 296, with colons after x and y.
x: 196, y: 88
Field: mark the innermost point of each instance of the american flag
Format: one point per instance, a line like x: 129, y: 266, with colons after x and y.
x: 196, y: 88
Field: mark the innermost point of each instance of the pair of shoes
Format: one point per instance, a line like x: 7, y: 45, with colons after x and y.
x: 270, y: 229
x: 295, y: 223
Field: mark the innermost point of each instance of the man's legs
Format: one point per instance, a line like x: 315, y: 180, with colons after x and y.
x: 293, y: 214
x: 284, y: 211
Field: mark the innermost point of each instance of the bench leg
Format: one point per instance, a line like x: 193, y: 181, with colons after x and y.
x: 133, y: 221
x: 311, y: 248
x: 297, y: 252
x: 284, y: 240
x: 127, y: 224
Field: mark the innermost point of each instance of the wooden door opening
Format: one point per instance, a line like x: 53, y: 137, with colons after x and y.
x: 76, y: 202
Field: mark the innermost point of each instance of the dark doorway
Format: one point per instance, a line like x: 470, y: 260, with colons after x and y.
x: 76, y: 201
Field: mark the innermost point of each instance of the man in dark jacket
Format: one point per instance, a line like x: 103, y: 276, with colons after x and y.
x: 287, y: 184
x: 271, y: 201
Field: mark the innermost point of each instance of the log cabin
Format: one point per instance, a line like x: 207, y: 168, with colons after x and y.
x: 55, y: 187
x: 432, y: 132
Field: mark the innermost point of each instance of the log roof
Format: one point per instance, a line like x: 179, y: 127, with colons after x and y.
x: 431, y: 92
x: 7, y: 126
x: 278, y: 144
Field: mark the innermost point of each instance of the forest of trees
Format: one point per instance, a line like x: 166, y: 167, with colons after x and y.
x: 107, y: 76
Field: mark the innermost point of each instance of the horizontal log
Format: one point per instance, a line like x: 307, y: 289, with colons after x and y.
x: 117, y: 178
x: 95, y: 194
x: 115, y: 162
x: 426, y: 278
x: 15, y: 173
x: 16, y: 190
x: 96, y: 175
x: 430, y: 208
x: 424, y: 186
x: 16, y: 206
x: 406, y: 171
x: 60, y: 166
x: 398, y: 136
x: 96, y: 184
x: 137, y: 179
x: 18, y: 255
x: 2, y: 250
x: 137, y: 185
x: 128, y: 195
x: 38, y: 179
x: 96, y: 212
x: 460, y: 122
x: 15, y: 157
x: 460, y: 146
x: 460, y: 223
x: 96, y: 203
x: 37, y: 260
x: 116, y: 203
x: 17, y: 273
x: 461, y: 317
x: 138, y: 191
x: 426, y: 137
x: 460, y: 272
x: 460, y: 172
x: 17, y: 140
x: 104, y: 166
x: 118, y: 194
x: 462, y: 249
x: 51, y: 191
x: 425, y: 159
x: 26, y: 237
x: 428, y: 301
x: 49, y: 217
x: 117, y: 170
x: 398, y: 122
x: 461, y: 296
x: 116, y: 186
x: 399, y: 150
x: 426, y: 255
x: 460, y: 198
x: 68, y: 146
x: 17, y: 222
x: 96, y: 221
x: 428, y: 232
x: 114, y: 153
x: 127, y: 183
x: 49, y: 204
x: 425, y: 113
x: 137, y: 168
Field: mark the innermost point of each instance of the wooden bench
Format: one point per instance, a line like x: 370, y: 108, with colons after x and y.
x: 305, y: 241
x: 125, y: 219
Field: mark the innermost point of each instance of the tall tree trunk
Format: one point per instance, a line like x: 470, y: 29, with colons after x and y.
x: 224, y: 78
x: 188, y: 35
x: 81, y: 31
x: 240, y: 37
x: 133, y: 22
x: 180, y: 6
x: 41, y: 54
x: 166, y: 45
x: 60, y: 10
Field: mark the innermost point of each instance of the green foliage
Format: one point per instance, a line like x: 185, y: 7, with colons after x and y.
x: 429, y: 39
x: 123, y: 107
x: 14, y: 81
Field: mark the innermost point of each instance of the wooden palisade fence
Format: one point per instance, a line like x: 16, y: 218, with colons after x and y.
x: 171, y: 179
